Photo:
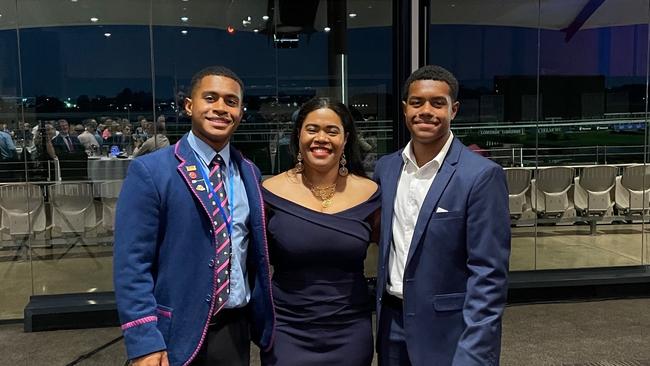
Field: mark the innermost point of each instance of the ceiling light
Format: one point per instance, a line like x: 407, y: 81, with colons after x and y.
x: 94, y: 20
x: 266, y: 17
x: 107, y: 34
x: 230, y: 29
x: 184, y: 31
x: 74, y: 1
x: 353, y: 15
x: 327, y: 29
x: 184, y: 19
x: 185, y: 1
x: 256, y: 30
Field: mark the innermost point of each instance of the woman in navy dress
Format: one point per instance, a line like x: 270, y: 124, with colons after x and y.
x: 320, y: 217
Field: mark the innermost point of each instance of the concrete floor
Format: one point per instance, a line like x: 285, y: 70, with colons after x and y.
x: 612, y: 333
x: 594, y: 333
x: 45, y: 270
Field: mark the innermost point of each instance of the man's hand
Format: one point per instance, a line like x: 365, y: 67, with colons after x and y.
x: 152, y: 359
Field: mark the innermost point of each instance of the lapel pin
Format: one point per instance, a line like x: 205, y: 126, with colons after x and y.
x: 191, y: 168
x: 192, y: 175
x: 200, y: 188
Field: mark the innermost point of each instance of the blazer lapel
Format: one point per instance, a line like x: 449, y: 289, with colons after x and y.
x: 389, y: 191
x: 190, y: 170
x: 436, y: 190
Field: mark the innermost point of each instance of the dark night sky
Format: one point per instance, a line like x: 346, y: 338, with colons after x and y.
x: 70, y: 61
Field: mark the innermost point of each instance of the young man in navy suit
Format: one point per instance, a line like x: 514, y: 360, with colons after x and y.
x: 445, y: 239
x: 193, y: 273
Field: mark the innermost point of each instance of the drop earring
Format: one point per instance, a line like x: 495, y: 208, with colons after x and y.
x: 299, y: 166
x: 343, y: 170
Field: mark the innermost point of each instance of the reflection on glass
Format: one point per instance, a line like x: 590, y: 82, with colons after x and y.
x: 86, y: 78
x: 579, y: 115
x: 595, y: 77
x: 20, y: 205
x: 285, y: 57
x: 591, y: 107
x: 101, y: 86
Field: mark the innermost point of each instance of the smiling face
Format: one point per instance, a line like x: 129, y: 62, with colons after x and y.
x: 322, y: 140
x: 64, y: 127
x: 428, y: 112
x: 216, y: 109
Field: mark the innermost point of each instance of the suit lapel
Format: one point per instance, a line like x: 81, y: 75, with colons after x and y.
x: 436, y: 190
x: 190, y: 170
x: 389, y: 191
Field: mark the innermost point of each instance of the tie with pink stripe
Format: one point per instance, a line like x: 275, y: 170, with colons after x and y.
x: 219, y: 200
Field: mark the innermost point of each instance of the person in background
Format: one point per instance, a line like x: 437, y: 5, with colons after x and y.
x: 108, y: 130
x: 100, y: 132
x: 117, y: 136
x: 445, y: 239
x: 27, y: 135
x: 192, y: 279
x: 7, y: 147
x: 127, y: 138
x: 65, y: 143
x: 157, y: 140
x: 89, y: 138
x: 77, y: 130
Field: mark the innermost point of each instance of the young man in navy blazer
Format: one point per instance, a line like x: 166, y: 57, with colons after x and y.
x: 445, y: 239
x: 175, y: 306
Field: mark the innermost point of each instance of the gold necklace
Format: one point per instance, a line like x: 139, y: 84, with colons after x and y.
x: 324, y: 194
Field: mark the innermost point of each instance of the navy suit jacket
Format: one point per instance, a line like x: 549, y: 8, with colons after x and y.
x: 164, y: 270
x: 61, y: 148
x: 455, y: 278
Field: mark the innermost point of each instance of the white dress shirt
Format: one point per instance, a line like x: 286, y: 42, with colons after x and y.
x: 413, y: 186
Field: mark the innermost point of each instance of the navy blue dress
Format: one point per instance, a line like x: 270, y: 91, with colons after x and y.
x: 320, y: 293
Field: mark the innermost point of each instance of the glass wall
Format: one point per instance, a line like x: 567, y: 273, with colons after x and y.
x: 85, y: 87
x: 555, y: 92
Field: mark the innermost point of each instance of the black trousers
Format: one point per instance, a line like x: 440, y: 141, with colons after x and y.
x: 227, y: 341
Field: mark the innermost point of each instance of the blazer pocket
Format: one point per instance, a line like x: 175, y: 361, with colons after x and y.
x: 447, y: 215
x: 449, y: 302
x: 164, y: 315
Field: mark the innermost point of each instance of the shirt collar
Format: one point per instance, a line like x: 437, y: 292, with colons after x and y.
x: 206, y: 152
x: 409, y: 157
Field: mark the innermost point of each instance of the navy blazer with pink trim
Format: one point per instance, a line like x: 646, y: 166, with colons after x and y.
x: 163, y: 265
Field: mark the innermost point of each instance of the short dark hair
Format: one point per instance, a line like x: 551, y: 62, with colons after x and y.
x: 62, y: 121
x: 352, y: 151
x: 90, y: 123
x: 432, y: 72
x: 216, y: 70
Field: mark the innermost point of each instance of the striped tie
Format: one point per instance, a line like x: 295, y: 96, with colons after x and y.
x: 219, y: 200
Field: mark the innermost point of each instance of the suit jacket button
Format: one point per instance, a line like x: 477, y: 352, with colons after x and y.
x: 208, y: 298
x: 211, y: 264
